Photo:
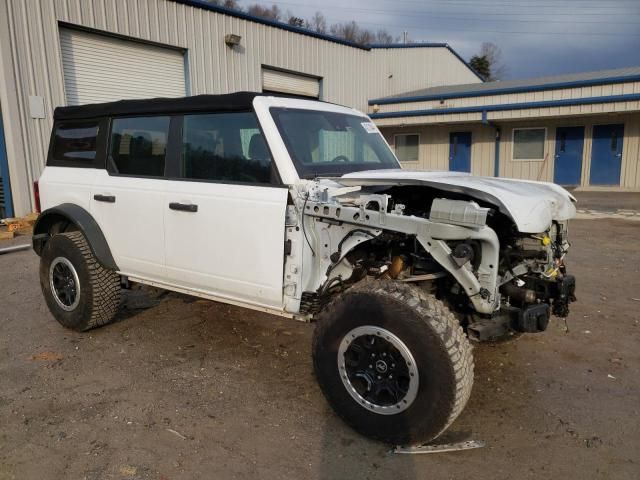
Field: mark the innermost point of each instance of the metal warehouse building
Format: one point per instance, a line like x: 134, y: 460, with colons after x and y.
x: 68, y: 52
x: 576, y: 130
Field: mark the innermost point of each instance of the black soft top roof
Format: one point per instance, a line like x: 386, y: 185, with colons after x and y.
x: 198, y: 103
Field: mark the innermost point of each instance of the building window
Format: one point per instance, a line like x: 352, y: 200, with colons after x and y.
x: 139, y: 146
x: 529, y: 143
x: 407, y: 147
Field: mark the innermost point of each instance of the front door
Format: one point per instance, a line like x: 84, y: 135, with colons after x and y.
x: 460, y: 151
x: 568, y: 162
x: 606, y: 154
x: 225, y: 216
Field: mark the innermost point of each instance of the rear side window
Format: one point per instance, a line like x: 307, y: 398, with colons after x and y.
x: 75, y: 142
x: 138, y: 146
x: 225, y: 147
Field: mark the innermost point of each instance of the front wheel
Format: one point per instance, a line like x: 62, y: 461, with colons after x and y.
x: 393, y: 362
x: 80, y: 293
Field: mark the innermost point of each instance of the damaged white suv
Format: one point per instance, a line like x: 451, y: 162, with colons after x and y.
x: 299, y: 208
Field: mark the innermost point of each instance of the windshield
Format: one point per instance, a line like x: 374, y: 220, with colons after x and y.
x: 331, y: 144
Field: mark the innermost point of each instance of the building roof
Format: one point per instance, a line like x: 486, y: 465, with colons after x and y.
x: 311, y: 33
x: 197, y: 103
x: 620, y: 75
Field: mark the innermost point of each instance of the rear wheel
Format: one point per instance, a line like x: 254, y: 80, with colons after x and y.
x: 80, y: 293
x: 393, y: 362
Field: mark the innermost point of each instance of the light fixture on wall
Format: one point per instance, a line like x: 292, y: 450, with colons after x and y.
x: 231, y: 39
x: 376, y: 108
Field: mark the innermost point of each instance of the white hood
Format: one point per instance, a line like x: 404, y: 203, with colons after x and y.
x: 531, y: 205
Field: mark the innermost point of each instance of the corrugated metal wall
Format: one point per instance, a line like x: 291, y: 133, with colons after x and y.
x: 533, y: 96
x: 434, y: 147
x: 31, y: 63
x: 630, y: 172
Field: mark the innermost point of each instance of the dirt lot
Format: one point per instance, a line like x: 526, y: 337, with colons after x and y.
x: 192, y: 389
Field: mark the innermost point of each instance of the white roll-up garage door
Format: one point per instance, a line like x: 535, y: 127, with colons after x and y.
x: 290, y: 83
x: 99, y: 68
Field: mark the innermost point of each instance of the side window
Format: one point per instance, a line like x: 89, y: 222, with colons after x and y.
x: 76, y: 141
x: 225, y: 147
x: 138, y: 146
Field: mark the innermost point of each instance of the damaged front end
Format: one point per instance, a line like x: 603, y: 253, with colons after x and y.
x: 534, y: 285
x: 463, y: 249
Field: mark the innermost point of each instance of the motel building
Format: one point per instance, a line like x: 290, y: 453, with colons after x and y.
x: 577, y: 130
x: 580, y: 130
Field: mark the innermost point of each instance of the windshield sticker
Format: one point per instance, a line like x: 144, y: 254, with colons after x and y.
x: 369, y: 127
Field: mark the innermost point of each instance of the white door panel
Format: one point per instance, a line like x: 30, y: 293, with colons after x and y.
x: 233, y: 246
x: 133, y: 224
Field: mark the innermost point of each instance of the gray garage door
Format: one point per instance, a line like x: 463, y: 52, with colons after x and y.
x: 290, y: 83
x: 99, y: 68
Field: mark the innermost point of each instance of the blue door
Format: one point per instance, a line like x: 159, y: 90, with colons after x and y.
x: 606, y: 154
x: 6, y: 209
x: 460, y: 151
x: 568, y: 165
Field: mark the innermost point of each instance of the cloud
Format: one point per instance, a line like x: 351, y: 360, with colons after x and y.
x: 537, y: 37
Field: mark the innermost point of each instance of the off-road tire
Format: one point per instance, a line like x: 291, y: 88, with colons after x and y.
x: 442, y: 353
x: 99, y: 288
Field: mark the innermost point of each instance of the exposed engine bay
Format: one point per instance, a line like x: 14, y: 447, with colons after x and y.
x: 464, y: 250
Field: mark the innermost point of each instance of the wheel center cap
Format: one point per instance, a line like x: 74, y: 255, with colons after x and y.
x: 381, y: 366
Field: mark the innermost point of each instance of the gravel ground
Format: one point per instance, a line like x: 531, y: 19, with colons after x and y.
x: 193, y: 389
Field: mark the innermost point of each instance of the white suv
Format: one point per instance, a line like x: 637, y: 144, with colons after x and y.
x: 299, y: 208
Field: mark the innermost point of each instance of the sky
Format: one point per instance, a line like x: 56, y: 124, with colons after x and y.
x: 537, y: 37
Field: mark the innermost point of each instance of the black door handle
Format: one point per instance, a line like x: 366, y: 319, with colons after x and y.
x: 183, y: 207
x: 105, y: 198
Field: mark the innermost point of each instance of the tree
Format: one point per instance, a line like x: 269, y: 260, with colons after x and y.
x: 488, y: 62
x: 382, y: 36
x: 269, y: 13
x: 347, y: 30
x: 481, y: 66
x: 231, y: 4
x: 353, y: 32
x: 318, y: 23
x: 296, y: 21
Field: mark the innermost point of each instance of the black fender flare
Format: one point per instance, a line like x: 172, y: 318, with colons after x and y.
x: 83, y: 221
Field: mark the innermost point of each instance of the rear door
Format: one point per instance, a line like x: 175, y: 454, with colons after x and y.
x: 224, y: 215
x: 127, y: 200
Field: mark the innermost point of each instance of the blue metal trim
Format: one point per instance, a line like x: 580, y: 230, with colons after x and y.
x: 272, y: 23
x: 506, y: 90
x: 510, y: 106
x: 4, y: 173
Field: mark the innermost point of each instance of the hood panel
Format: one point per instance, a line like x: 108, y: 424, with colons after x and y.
x: 531, y: 205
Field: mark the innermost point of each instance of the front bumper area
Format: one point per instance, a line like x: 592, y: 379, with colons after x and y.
x: 553, y: 298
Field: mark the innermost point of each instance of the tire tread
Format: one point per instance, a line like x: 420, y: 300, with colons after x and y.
x: 439, y: 318
x: 105, y: 285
